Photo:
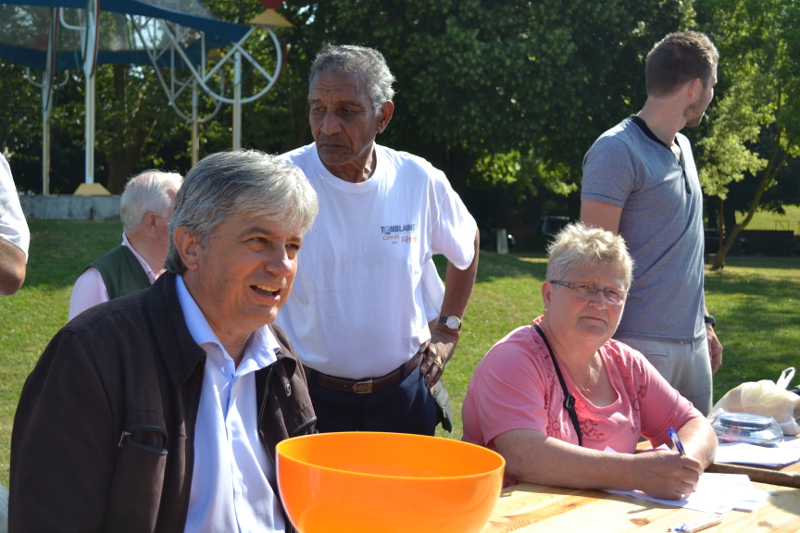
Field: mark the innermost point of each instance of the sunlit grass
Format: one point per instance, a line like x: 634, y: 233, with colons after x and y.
x: 764, y: 220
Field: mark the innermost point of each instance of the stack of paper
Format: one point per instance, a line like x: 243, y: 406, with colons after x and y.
x: 784, y: 453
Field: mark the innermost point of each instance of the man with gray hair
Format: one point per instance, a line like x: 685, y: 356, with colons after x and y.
x: 145, y: 208
x: 640, y: 180
x: 160, y: 411
x: 358, y: 316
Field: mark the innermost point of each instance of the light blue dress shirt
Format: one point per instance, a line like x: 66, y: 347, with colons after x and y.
x: 234, y: 487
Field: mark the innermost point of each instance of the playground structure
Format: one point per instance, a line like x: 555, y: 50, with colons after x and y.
x: 177, y: 38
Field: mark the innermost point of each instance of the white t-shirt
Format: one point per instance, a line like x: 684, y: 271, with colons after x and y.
x: 357, y: 306
x: 13, y: 226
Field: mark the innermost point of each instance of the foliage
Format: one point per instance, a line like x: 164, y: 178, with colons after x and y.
x: 478, y: 78
x: 20, y: 122
x: 759, y: 114
x: 505, y: 96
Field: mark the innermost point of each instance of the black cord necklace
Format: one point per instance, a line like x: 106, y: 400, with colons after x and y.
x: 569, y: 401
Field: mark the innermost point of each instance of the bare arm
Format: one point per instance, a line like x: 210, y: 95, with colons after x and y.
x: 457, y: 290
x: 12, y: 268
x: 601, y: 215
x: 699, y: 440
x: 533, y: 457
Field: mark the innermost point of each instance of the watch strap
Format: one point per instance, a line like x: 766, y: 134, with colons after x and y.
x: 445, y: 319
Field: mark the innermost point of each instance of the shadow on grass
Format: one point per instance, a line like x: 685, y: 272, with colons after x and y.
x: 745, y: 261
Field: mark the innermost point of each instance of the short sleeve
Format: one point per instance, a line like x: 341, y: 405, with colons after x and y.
x: 13, y: 226
x: 608, y: 172
x: 507, y: 392
x: 454, y: 228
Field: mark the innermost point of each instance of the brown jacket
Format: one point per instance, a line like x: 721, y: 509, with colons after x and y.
x: 103, y: 435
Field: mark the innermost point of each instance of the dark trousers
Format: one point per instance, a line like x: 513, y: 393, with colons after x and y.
x: 404, y: 407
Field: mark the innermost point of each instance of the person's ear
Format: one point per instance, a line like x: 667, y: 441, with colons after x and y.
x: 385, y: 116
x: 151, y: 222
x: 695, y: 89
x: 547, y: 291
x: 188, y: 247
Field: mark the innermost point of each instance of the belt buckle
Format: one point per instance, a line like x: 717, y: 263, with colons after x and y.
x: 363, y: 387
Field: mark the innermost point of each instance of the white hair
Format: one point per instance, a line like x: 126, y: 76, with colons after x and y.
x: 145, y: 193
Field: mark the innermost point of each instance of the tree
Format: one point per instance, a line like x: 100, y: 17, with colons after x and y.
x: 757, y: 120
x: 21, y: 125
x: 478, y: 79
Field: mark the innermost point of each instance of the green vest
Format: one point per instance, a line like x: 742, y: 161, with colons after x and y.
x: 121, y: 272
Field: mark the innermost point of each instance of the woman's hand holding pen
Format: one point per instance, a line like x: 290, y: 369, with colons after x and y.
x: 667, y: 474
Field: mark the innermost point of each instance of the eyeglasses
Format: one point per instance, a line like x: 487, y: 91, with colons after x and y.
x: 588, y: 291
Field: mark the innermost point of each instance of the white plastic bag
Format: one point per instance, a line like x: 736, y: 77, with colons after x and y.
x: 764, y: 397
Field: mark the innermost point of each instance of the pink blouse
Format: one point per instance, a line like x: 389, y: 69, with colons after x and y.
x: 516, y: 387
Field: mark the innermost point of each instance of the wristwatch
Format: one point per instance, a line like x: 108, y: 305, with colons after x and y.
x: 452, y: 322
x: 709, y: 319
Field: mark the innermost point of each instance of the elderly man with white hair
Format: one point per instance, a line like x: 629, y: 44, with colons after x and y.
x: 145, y: 208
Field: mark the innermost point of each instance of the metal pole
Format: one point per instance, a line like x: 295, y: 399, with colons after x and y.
x: 90, y: 86
x: 195, y: 128
x: 45, y: 152
x: 237, y: 105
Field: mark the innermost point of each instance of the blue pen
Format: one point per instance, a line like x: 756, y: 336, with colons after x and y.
x: 677, y: 440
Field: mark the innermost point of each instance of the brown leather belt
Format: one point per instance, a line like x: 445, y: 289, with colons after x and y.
x: 364, y: 386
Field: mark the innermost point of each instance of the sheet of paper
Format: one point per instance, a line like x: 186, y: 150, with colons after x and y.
x: 783, y: 454
x: 716, y: 493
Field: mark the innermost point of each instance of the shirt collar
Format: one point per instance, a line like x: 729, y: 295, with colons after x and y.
x: 149, y: 271
x: 261, y: 348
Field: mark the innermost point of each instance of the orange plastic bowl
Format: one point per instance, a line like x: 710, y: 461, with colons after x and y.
x: 386, y: 483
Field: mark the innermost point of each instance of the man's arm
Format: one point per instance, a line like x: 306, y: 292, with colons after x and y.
x: 14, y: 234
x: 89, y: 290
x: 457, y: 290
x: 714, y: 347
x: 601, y: 215
x: 12, y: 268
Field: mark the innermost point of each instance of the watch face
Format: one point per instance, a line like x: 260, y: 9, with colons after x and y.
x: 453, y: 322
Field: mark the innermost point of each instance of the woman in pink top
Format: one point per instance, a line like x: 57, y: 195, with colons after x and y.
x: 566, y: 405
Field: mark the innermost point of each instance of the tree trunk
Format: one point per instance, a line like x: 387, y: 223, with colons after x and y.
x: 767, y: 178
x: 123, y: 156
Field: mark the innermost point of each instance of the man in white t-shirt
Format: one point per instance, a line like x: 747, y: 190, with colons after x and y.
x: 145, y: 208
x: 15, y: 237
x: 358, y: 316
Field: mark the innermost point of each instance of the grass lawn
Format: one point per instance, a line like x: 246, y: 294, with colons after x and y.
x: 755, y: 302
x: 764, y: 220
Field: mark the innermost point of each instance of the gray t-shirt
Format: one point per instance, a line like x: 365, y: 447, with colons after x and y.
x: 662, y: 223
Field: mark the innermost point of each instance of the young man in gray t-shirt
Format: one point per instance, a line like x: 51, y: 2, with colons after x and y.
x: 640, y: 180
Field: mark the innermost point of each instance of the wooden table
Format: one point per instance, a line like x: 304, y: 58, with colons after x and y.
x: 529, y: 507
x: 537, y: 508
